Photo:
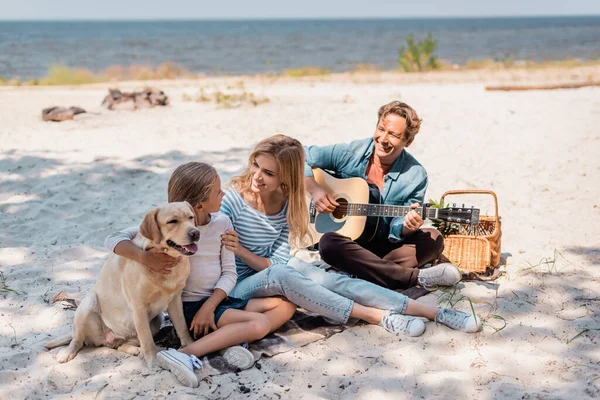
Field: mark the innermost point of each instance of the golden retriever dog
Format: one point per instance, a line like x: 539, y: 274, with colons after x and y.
x: 124, y: 309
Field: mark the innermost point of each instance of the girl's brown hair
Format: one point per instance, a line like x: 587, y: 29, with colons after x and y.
x: 289, y: 154
x: 192, y: 182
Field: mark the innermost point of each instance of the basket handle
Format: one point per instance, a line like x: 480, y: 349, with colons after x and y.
x: 451, y: 192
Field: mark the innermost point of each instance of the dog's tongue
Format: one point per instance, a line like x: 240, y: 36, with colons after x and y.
x: 191, y: 248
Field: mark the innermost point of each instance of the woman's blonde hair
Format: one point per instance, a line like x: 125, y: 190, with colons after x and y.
x: 289, y: 154
x: 192, y: 182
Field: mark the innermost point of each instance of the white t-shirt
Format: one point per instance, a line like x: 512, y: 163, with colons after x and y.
x: 212, y: 267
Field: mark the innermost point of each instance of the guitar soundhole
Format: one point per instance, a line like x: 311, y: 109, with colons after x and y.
x: 342, y: 210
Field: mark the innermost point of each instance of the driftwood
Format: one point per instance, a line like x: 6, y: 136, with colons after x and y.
x: 544, y: 87
x: 58, y: 114
x: 149, y: 97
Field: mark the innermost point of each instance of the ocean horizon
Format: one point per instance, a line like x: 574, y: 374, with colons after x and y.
x: 254, y: 46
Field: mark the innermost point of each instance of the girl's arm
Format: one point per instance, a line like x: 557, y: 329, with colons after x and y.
x: 229, y: 275
x: 120, y: 244
x: 205, y: 317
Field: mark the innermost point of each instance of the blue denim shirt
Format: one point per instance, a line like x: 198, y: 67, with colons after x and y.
x: 404, y: 184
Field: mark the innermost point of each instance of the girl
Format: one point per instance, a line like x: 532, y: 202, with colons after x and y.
x: 212, y: 277
x: 267, y: 206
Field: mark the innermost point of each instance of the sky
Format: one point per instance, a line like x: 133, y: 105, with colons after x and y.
x: 268, y: 9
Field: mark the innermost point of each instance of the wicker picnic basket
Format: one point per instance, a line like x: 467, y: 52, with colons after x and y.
x: 475, y: 248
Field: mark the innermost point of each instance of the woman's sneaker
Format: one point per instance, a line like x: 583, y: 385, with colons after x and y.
x: 445, y: 274
x: 238, y: 356
x: 458, y: 320
x: 181, y: 365
x: 395, y: 322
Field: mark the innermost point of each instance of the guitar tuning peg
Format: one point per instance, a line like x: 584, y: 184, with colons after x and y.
x: 463, y: 206
x: 454, y: 205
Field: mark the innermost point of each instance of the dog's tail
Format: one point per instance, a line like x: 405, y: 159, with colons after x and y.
x: 63, y: 341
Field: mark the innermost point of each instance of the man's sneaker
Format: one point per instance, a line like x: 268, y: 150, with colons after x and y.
x: 395, y: 322
x: 459, y: 320
x: 444, y: 274
x: 238, y: 356
x: 181, y: 365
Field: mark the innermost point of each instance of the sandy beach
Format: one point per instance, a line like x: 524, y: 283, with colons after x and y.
x: 65, y: 186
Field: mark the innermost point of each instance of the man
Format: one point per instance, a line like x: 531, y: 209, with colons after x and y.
x: 392, y: 259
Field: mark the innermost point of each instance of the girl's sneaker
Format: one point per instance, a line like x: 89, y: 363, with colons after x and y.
x: 458, y: 320
x: 181, y: 365
x: 238, y: 356
x: 395, y: 322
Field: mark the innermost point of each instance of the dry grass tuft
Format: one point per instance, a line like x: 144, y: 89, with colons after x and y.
x: 233, y: 96
x: 306, y: 71
x: 63, y: 75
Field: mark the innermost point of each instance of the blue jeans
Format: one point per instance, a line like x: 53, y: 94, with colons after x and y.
x: 283, y: 280
x: 327, y: 293
x: 362, y: 292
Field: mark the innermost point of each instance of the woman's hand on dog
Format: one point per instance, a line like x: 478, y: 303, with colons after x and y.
x: 158, y: 261
x: 203, y: 321
x: 231, y: 242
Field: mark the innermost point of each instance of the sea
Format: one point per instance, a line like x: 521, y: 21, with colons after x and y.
x: 29, y: 48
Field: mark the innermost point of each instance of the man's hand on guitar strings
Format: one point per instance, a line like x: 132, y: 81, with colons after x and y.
x: 412, y: 221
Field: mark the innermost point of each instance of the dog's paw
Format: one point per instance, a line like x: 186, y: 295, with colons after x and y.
x: 130, y: 349
x: 150, y: 360
x: 185, y: 338
x: 186, y: 341
x: 65, y: 355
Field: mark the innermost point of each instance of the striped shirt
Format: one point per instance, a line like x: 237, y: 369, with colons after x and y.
x: 262, y: 234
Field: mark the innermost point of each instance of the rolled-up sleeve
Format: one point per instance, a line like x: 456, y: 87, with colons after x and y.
x: 325, y: 157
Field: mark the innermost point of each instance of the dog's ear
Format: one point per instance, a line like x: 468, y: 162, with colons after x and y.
x: 149, y: 228
x: 193, y: 212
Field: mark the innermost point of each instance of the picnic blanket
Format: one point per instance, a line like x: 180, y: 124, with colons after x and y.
x: 304, y: 328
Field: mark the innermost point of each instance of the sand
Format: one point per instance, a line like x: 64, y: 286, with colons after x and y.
x: 65, y: 186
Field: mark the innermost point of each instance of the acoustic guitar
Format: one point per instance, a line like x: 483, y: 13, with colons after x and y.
x: 360, y: 210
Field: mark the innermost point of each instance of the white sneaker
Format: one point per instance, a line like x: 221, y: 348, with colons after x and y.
x: 238, y: 356
x: 181, y: 365
x: 444, y: 274
x: 395, y: 322
x: 459, y: 320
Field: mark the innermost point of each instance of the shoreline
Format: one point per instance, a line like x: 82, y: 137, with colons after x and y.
x: 174, y: 73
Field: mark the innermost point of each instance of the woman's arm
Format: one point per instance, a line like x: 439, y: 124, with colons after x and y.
x: 280, y: 253
x: 231, y: 242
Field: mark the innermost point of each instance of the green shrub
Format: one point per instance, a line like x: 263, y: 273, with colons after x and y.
x: 417, y: 55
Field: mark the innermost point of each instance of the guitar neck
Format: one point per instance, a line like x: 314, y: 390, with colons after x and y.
x: 382, y: 210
